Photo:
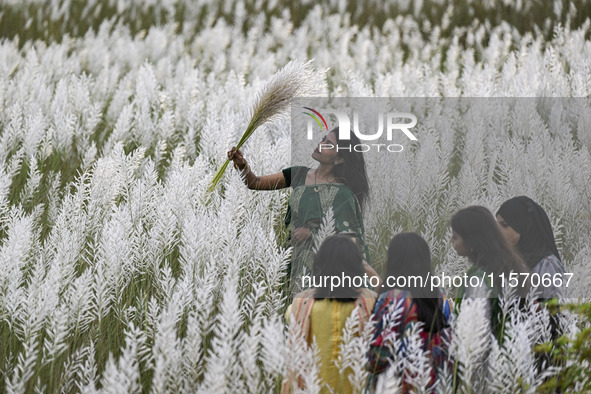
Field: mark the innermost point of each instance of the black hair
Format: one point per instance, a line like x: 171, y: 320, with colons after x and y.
x: 409, y: 256
x: 352, y: 171
x: 338, y: 256
x: 487, y: 247
x: 536, y: 238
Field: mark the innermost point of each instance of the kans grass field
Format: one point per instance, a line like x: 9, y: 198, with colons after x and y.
x: 120, y: 273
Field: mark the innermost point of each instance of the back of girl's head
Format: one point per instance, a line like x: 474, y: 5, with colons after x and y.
x: 484, y: 240
x: 536, y: 238
x: 409, y: 257
x: 338, y: 256
x: 353, y: 170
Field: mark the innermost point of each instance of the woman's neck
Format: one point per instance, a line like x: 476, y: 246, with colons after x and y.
x: 323, y: 173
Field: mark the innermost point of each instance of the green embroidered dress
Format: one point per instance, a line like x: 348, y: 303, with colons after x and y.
x: 307, y: 206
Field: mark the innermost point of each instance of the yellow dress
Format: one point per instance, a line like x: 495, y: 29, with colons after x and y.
x: 325, y: 320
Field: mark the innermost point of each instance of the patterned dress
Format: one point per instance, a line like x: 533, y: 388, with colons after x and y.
x: 379, y: 354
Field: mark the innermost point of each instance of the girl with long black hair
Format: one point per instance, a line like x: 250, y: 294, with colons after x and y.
x: 409, y: 257
x: 338, y: 183
x: 526, y: 226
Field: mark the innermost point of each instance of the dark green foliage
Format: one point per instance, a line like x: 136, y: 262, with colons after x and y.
x: 29, y: 21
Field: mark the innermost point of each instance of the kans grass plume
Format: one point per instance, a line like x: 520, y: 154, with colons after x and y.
x: 296, y: 79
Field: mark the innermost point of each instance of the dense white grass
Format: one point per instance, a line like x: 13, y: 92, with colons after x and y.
x: 118, y: 273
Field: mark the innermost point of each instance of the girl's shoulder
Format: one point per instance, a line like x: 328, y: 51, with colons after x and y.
x: 295, y: 176
x: 549, y: 264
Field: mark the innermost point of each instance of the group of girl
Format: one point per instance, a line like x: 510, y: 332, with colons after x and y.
x: 520, y: 240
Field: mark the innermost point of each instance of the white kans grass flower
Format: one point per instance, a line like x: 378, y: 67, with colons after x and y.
x: 20, y: 238
x: 355, y: 341
x: 296, y: 79
x: 222, y: 371
x: 123, y: 375
x: 199, y: 326
x: 327, y: 228
x: 166, y: 356
x: 416, y: 364
x: 274, y: 353
x: 80, y: 370
x: 471, y: 342
x: 25, y: 366
x: 302, y: 364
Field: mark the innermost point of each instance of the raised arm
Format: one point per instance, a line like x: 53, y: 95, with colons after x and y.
x: 253, y: 182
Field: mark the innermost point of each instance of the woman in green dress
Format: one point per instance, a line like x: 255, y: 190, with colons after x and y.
x: 338, y: 183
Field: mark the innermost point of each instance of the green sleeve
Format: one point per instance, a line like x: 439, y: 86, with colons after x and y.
x: 287, y: 175
x: 295, y: 176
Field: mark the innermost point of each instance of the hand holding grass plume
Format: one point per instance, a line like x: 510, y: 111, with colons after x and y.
x: 294, y: 80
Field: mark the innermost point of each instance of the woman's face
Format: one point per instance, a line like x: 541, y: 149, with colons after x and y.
x: 326, y: 151
x: 510, y: 235
x: 458, y: 244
